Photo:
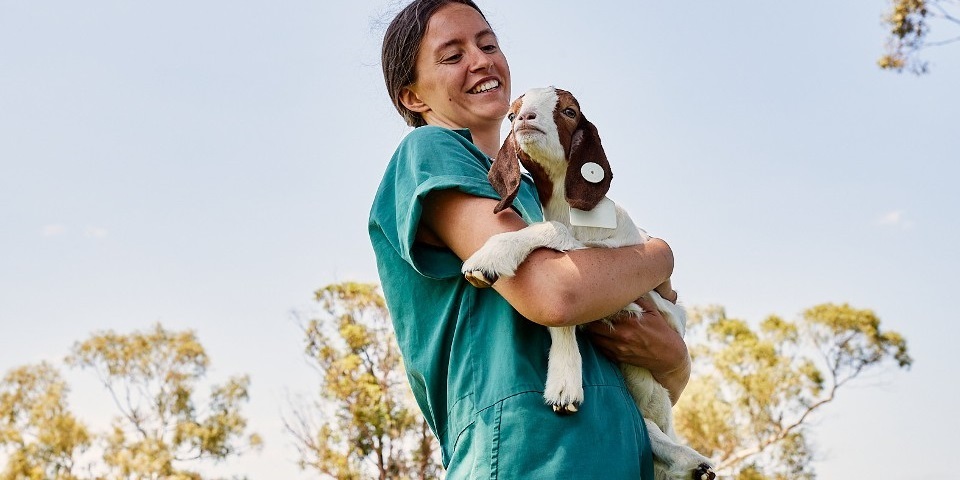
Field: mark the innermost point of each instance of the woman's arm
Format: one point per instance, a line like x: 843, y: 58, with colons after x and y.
x: 551, y: 288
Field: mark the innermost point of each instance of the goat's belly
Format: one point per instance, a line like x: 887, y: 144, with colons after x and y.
x: 651, y: 397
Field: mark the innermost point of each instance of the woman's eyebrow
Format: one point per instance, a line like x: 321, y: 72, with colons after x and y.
x: 484, y: 33
x: 456, y: 41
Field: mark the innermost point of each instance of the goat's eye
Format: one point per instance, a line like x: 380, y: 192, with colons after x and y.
x: 570, y: 112
x: 511, y: 116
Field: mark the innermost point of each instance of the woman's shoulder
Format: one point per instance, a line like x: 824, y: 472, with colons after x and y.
x: 436, y: 137
x: 439, y: 150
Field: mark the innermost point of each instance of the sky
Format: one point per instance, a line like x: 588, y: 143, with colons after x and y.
x: 208, y: 165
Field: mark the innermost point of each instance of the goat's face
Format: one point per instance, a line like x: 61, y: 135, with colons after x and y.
x: 542, y: 122
x: 557, y: 144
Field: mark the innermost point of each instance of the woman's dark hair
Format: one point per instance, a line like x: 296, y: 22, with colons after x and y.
x: 401, y: 44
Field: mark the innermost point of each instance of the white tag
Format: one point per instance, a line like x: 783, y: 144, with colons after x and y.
x: 604, y: 215
x: 592, y: 172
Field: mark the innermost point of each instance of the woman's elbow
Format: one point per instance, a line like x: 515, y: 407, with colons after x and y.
x: 551, y: 309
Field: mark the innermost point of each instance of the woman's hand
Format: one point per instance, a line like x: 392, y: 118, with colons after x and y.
x: 646, y: 341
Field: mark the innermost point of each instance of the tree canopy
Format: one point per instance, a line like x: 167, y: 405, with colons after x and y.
x: 151, y: 377
x: 163, y: 427
x: 910, y: 23
x: 755, y: 389
x: 40, y: 435
x: 364, y: 423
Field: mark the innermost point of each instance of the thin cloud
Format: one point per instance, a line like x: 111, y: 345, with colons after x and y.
x: 53, y: 230
x: 95, y: 232
x: 895, y: 218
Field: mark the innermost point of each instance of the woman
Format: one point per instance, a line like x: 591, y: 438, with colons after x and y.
x: 477, y: 358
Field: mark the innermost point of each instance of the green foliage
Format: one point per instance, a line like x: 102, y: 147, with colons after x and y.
x: 37, y: 431
x: 367, y: 427
x: 909, y: 24
x: 152, y: 379
x: 754, y: 389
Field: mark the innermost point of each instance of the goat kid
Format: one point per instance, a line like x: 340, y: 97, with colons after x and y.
x: 562, y: 151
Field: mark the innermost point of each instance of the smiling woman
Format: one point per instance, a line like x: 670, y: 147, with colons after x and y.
x: 477, y: 358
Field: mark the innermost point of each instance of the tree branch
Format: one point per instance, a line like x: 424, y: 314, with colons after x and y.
x: 783, y: 432
x: 943, y: 42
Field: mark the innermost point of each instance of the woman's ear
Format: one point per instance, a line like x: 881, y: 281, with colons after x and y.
x: 412, y: 101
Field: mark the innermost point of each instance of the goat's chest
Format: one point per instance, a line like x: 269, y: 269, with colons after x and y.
x: 625, y: 234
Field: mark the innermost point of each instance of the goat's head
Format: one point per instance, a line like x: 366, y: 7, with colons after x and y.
x: 556, y: 143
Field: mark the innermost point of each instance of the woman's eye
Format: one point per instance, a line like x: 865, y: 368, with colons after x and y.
x: 489, y: 48
x: 570, y: 112
x: 452, y: 58
x: 511, y: 116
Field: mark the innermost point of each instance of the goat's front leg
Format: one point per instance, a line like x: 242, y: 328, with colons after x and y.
x: 504, y: 252
x: 564, y: 389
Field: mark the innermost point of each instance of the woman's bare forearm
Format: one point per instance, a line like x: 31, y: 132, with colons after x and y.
x: 550, y: 287
x: 579, y: 286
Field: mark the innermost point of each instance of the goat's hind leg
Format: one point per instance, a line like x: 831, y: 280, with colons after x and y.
x: 680, y: 462
x: 564, y: 389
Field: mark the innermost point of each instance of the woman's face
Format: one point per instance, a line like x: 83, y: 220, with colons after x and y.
x: 463, y: 80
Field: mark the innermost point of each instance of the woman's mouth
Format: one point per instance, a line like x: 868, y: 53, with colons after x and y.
x: 485, y: 86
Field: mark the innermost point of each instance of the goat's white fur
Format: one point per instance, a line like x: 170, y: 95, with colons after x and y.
x: 503, y: 253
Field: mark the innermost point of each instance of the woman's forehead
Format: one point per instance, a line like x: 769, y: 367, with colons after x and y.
x: 455, y: 23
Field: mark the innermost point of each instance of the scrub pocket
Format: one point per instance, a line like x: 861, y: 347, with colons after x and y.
x: 476, y: 452
x: 595, y: 443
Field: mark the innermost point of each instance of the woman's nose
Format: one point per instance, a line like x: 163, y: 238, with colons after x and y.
x: 480, y: 60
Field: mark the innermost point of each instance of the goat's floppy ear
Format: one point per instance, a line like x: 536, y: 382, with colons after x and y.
x: 504, y: 175
x: 588, y: 172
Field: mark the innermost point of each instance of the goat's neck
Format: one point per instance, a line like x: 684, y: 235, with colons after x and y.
x: 556, y: 207
x: 548, y: 178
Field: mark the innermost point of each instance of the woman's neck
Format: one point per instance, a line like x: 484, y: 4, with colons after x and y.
x: 485, y: 137
x: 488, y: 141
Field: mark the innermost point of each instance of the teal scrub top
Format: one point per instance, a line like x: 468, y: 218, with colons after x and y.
x: 476, y: 367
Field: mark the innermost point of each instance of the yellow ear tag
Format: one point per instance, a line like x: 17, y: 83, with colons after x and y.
x: 604, y: 215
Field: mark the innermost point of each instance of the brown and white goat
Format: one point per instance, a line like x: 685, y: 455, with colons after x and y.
x: 562, y: 151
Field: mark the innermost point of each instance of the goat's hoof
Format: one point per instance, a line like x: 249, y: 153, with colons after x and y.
x: 704, y: 472
x: 479, y: 279
x: 565, y: 409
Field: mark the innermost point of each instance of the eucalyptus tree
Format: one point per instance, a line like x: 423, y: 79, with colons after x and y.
x: 39, y: 435
x: 363, y: 423
x: 910, y: 23
x: 754, y: 390
x: 164, y: 426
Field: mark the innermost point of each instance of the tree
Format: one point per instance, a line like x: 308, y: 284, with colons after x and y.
x: 152, y: 378
x: 909, y: 23
x: 39, y: 435
x: 754, y: 391
x: 363, y: 425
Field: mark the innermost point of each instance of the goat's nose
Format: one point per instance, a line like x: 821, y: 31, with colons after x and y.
x: 528, y: 115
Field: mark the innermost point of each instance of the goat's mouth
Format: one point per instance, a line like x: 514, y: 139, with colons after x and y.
x: 485, y: 86
x: 527, y: 129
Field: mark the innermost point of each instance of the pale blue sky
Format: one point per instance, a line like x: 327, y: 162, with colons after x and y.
x: 209, y: 164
